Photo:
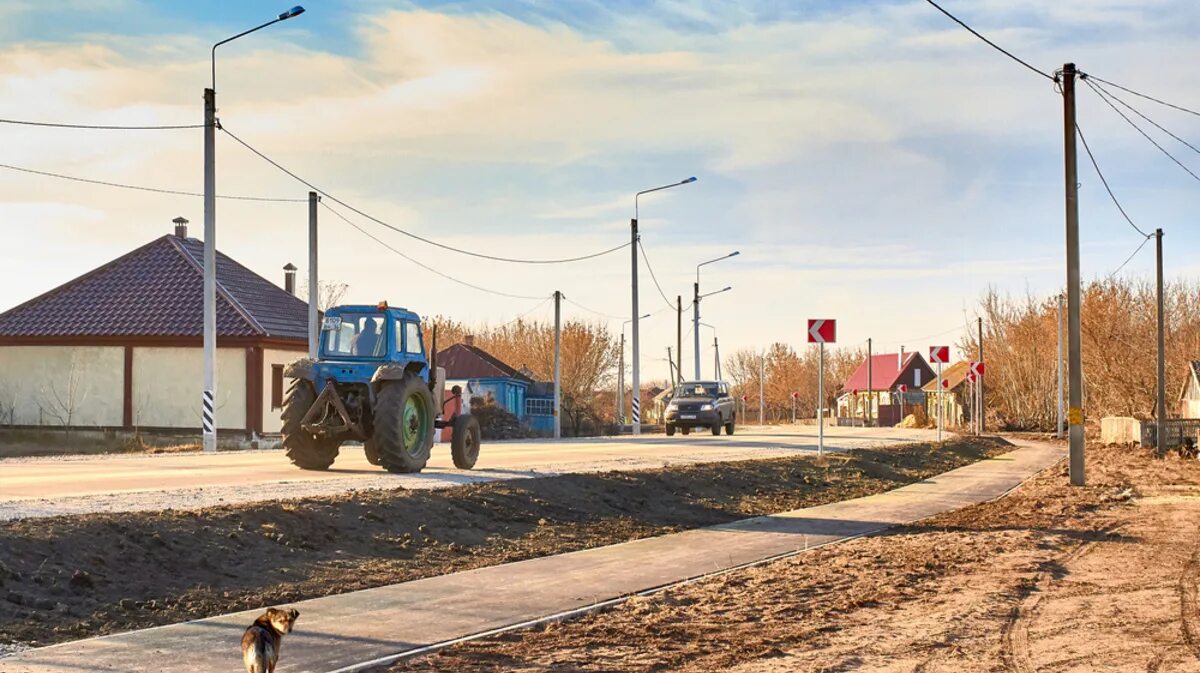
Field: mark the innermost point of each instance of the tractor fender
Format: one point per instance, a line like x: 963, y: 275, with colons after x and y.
x: 395, y: 372
x: 300, y: 369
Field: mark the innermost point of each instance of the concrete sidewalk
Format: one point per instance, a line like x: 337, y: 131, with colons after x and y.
x: 338, y: 632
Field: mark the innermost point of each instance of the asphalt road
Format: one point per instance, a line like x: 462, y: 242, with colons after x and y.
x: 49, y: 486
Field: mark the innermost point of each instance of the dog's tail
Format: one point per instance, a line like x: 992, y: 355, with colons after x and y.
x: 257, y: 658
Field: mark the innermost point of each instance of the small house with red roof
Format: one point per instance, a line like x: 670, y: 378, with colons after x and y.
x: 483, y: 375
x: 873, y: 391
x: 121, y: 347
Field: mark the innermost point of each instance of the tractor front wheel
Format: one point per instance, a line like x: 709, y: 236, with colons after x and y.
x: 464, y: 441
x: 404, y: 424
x: 306, y: 450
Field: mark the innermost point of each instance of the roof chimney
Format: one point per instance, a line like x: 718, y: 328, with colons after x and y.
x: 289, y: 278
x: 900, y: 359
x: 469, y: 340
x: 180, y: 227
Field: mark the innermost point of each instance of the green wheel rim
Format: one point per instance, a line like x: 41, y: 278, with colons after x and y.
x: 415, y: 424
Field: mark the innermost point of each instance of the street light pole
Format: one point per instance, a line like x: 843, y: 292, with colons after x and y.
x: 621, y: 378
x: 210, y: 240
x: 636, y: 401
x: 696, y: 306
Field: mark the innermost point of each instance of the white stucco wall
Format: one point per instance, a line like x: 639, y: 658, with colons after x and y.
x: 167, y: 383
x: 272, y: 422
x: 39, y: 385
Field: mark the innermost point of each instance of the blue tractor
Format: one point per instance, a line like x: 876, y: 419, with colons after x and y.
x: 372, y: 383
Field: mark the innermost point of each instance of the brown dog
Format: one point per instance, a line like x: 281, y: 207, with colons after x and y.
x: 260, y: 643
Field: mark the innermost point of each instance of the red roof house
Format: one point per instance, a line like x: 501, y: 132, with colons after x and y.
x: 889, y: 370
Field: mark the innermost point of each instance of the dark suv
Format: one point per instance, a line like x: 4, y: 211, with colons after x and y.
x: 701, y: 404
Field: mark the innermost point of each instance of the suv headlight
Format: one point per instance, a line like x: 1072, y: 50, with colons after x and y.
x: 672, y: 406
x: 706, y: 407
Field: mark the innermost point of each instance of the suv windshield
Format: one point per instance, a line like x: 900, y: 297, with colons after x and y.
x: 354, y: 335
x: 696, y: 390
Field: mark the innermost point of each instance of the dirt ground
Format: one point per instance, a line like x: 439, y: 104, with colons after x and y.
x: 1049, y: 578
x: 70, y: 577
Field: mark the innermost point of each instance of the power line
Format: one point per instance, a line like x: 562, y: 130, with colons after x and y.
x: 590, y: 310
x: 1139, y: 113
x: 141, y: 188
x: 522, y: 316
x: 423, y: 265
x: 993, y: 45
x: 1142, y: 95
x: 1105, y: 182
x: 102, y: 127
x: 1104, y: 96
x: 652, y: 276
x: 409, y: 233
x: 1130, y: 258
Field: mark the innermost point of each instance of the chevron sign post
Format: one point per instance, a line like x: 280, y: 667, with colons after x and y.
x: 821, y: 331
x: 940, y: 355
x: 975, y: 374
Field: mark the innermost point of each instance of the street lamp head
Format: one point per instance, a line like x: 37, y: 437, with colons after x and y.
x: 727, y: 288
x: 295, y: 11
x: 735, y: 253
x: 691, y: 179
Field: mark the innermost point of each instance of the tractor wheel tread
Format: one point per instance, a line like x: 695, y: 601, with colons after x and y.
x: 304, y: 449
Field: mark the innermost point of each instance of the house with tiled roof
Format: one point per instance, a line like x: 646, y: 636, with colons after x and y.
x: 1189, y: 397
x: 873, y: 391
x: 120, y: 347
x: 483, y: 375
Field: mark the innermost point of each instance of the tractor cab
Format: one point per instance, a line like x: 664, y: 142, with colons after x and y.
x: 373, y: 383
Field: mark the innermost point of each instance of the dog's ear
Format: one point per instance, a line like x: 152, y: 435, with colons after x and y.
x: 294, y: 614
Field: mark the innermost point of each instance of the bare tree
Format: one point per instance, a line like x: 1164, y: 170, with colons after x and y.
x: 329, y: 293
x: 61, y: 400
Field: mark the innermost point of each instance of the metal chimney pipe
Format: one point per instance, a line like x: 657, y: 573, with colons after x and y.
x: 180, y: 226
x: 289, y: 278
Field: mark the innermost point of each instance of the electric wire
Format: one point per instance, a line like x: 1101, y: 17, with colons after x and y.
x: 591, y: 310
x: 141, y: 188
x: 102, y: 127
x: 522, y: 316
x: 380, y: 222
x: 1103, y: 96
x: 422, y: 264
x: 1130, y: 258
x: 993, y: 45
x: 1139, y: 113
x: 1142, y: 95
x: 652, y: 276
x: 1105, y: 182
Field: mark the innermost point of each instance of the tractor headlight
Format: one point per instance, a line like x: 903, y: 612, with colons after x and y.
x: 706, y: 407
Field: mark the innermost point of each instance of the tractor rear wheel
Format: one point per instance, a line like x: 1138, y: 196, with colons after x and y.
x: 404, y: 424
x: 464, y: 441
x: 306, y: 450
x: 371, y: 451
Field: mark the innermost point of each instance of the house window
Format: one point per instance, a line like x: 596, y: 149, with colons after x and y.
x: 276, y: 387
x: 535, y: 406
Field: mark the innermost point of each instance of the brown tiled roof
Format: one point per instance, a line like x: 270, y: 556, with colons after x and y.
x: 157, y: 290
x: 471, y: 362
x: 955, y: 374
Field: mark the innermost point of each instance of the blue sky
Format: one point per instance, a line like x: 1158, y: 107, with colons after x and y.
x: 871, y: 160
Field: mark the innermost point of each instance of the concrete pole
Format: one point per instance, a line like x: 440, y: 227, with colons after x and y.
x: 716, y: 357
x: 671, y: 366
x: 679, y: 336
x: 208, y: 415
x: 1161, y: 416
x: 1058, y: 428
x: 558, y: 365
x: 941, y: 401
x: 979, y: 381
x: 821, y: 399
x: 1074, y: 352
x: 872, y: 401
x: 635, y: 396
x: 621, y: 386
x: 314, y: 332
x: 696, y: 323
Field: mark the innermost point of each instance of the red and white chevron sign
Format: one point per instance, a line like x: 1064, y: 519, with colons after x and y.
x: 971, y: 377
x: 822, y: 331
x: 939, y: 354
x: 977, y: 368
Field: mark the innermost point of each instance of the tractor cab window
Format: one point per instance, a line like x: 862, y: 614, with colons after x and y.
x: 412, y: 338
x: 354, y: 334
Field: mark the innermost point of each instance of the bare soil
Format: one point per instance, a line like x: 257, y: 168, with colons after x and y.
x: 69, y: 577
x: 1048, y: 578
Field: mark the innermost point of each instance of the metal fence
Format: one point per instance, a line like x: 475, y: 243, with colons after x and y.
x: 1175, y: 429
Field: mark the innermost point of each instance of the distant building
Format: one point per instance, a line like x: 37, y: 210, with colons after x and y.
x: 483, y: 375
x: 1189, y: 397
x: 873, y: 391
x: 955, y: 399
x: 120, y: 347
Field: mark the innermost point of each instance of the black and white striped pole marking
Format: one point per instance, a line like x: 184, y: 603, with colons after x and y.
x: 209, y: 427
x: 637, y: 411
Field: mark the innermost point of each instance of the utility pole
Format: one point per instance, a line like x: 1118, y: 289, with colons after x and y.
x: 762, y: 377
x: 621, y: 386
x: 1058, y: 428
x: 558, y: 366
x: 679, y: 336
x: 1161, y: 416
x: 314, y: 295
x: 716, y: 357
x: 635, y: 403
x: 696, y: 322
x: 979, y: 383
x: 210, y: 269
x: 671, y: 366
x: 871, y: 399
x: 1074, y: 353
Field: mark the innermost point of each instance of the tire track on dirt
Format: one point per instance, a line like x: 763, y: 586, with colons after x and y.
x: 1188, y: 617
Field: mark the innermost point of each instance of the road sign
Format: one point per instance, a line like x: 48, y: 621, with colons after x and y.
x: 939, y: 354
x: 977, y: 368
x: 745, y: 397
x: 903, y: 388
x: 822, y: 331
x: 795, y: 396
x: 971, y: 377
x: 854, y: 391
x: 946, y: 383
